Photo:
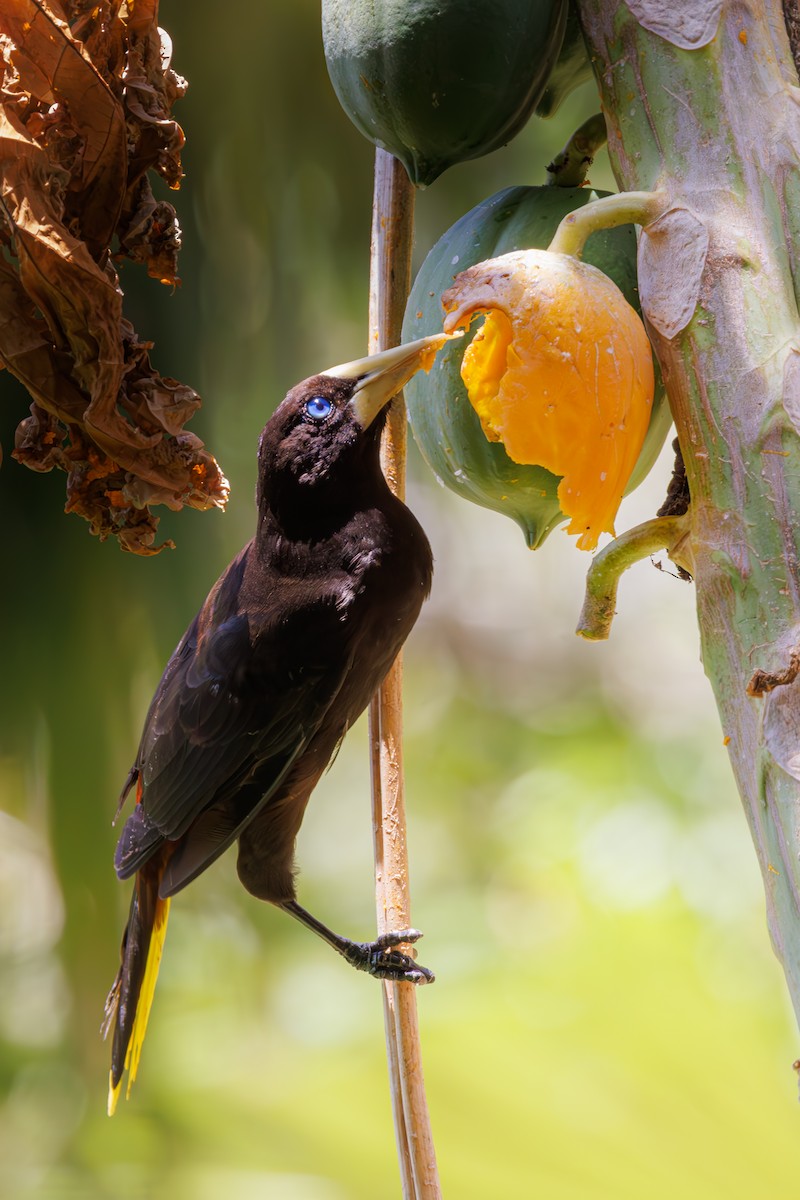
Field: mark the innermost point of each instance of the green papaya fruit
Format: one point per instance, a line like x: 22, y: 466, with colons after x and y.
x: 437, y: 82
x: 445, y: 425
x: 571, y: 70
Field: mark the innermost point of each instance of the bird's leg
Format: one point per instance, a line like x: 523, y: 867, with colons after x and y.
x: 379, y: 958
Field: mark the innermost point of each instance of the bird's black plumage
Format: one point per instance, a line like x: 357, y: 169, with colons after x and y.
x: 287, y: 650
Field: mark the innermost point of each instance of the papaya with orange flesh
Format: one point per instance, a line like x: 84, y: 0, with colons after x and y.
x: 447, y: 426
x: 561, y: 373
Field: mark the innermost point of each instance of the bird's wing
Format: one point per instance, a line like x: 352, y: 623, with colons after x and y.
x: 231, y: 705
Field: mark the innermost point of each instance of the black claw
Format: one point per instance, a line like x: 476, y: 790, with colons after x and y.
x: 382, y: 961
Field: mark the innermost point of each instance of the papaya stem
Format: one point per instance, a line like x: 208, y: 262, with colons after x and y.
x: 627, y: 208
x: 603, y: 576
x: 569, y: 167
x: 390, y: 280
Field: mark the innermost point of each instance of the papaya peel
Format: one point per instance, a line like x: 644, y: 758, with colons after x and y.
x: 561, y: 373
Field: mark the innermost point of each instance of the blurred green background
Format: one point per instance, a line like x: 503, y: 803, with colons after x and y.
x: 608, y: 1019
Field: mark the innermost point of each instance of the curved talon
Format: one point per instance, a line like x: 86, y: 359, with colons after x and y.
x: 397, y: 967
x: 382, y: 961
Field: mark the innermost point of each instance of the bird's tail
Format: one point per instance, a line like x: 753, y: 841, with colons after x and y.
x: 128, y: 1004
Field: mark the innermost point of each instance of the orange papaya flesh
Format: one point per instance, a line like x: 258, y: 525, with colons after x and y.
x: 561, y: 373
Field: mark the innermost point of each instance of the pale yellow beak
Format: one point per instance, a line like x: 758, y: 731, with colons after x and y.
x: 381, y: 376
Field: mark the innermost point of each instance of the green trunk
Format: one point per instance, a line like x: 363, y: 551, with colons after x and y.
x: 700, y: 98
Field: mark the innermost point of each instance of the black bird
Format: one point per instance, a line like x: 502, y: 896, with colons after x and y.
x: 288, y: 649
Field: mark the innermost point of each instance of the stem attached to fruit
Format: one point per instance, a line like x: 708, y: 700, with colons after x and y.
x: 627, y: 208
x: 602, y: 580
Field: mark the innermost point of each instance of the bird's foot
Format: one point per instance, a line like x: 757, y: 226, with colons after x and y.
x: 383, y: 960
x: 380, y: 958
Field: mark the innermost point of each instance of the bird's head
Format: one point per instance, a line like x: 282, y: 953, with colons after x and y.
x: 323, y: 439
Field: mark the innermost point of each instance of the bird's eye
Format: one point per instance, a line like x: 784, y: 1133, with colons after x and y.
x: 318, y: 408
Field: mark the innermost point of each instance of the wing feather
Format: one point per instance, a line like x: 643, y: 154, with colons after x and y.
x: 239, y: 701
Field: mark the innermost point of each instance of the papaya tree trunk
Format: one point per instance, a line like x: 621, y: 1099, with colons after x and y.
x: 700, y: 98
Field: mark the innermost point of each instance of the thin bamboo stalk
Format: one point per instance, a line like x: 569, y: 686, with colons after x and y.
x: 390, y: 279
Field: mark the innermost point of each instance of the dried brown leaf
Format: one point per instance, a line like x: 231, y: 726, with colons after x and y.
x: 39, y: 441
x: 150, y: 234
x: 29, y: 353
x: 47, y: 52
x: 85, y: 113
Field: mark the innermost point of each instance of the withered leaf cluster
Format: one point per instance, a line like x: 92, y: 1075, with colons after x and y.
x: 85, y: 114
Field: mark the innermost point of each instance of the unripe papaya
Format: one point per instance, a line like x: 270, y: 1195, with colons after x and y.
x: 437, y: 82
x: 446, y: 427
x: 572, y: 67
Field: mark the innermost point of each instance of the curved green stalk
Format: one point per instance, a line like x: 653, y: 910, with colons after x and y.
x: 627, y: 208
x: 602, y: 579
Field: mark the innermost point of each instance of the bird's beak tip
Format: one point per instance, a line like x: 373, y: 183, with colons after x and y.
x: 381, y: 376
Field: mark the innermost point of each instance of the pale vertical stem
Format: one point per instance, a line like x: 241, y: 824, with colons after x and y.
x: 390, y: 279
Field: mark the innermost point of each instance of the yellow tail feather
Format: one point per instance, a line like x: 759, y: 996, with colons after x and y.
x: 113, y: 1094
x: 144, y: 1003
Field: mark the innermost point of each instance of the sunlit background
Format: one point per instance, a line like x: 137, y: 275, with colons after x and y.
x: 608, y: 1020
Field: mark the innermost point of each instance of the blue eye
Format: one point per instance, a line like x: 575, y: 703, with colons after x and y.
x: 318, y: 408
